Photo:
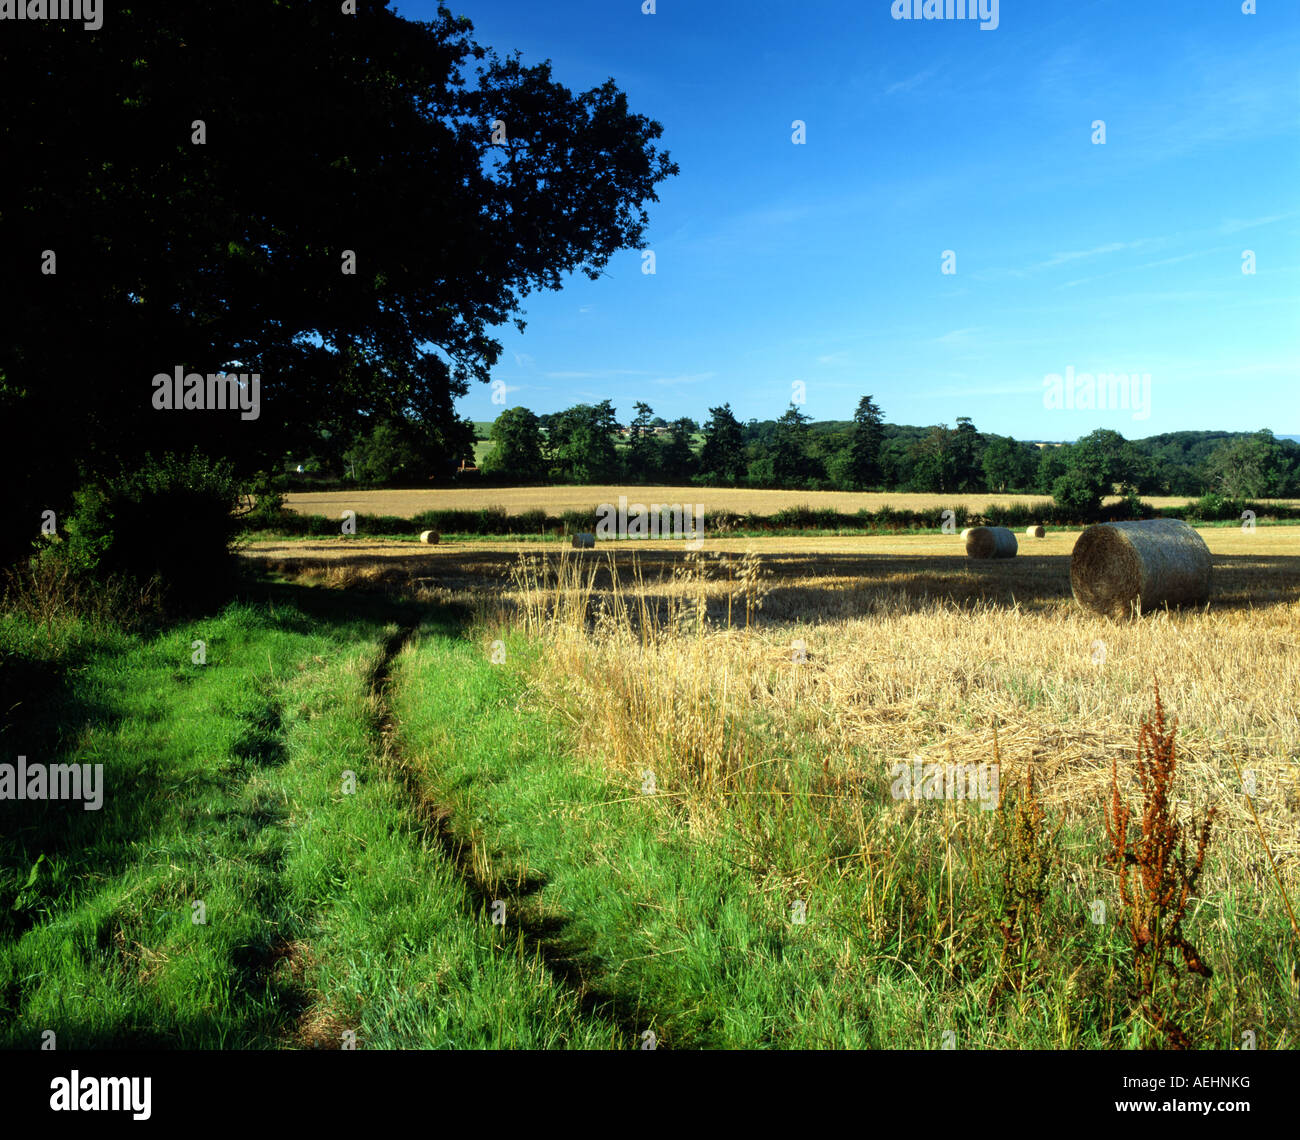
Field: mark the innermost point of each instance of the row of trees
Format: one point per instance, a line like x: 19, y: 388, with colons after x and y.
x: 580, y: 445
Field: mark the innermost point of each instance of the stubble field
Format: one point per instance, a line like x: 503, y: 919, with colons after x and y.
x: 501, y: 795
x: 756, y: 697
x: 557, y: 499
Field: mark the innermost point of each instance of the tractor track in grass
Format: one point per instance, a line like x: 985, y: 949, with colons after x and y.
x: 545, y: 936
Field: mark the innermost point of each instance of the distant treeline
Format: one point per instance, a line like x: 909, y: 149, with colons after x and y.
x: 586, y: 444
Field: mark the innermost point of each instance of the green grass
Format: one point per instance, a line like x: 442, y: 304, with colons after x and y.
x: 693, y: 931
x: 333, y: 909
x: 652, y: 926
x: 325, y: 912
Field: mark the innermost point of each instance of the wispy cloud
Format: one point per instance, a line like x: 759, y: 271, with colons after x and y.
x: 1080, y: 254
x: 1064, y: 257
x: 957, y: 336
x: 912, y: 81
x: 1236, y: 225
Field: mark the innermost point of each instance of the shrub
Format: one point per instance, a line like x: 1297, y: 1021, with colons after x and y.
x: 1215, y: 508
x: 172, y: 519
x: 263, y: 505
x: 723, y: 521
x: 798, y: 517
x: 532, y: 522
x: 1078, y: 496
x: 578, y: 522
x: 52, y: 585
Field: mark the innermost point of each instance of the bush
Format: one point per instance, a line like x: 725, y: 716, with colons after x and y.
x: 800, y: 517
x: 263, y: 508
x: 487, y: 520
x: 1078, y: 496
x: 172, y: 520
x: 578, y: 522
x: 532, y: 522
x: 51, y: 587
x: 1214, y: 508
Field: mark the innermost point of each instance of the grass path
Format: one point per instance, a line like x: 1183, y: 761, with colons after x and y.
x: 663, y: 931
x: 357, y: 820
x: 325, y: 910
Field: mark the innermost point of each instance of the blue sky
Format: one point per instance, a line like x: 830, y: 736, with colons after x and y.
x: 821, y: 262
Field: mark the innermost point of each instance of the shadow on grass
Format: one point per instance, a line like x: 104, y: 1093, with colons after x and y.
x: 48, y: 707
x: 798, y: 585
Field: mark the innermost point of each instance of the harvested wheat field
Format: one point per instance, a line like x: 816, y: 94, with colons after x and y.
x: 910, y: 645
x: 765, y: 699
x: 1262, y: 560
x: 557, y: 499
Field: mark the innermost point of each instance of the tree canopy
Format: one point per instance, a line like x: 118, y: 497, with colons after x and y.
x: 347, y: 205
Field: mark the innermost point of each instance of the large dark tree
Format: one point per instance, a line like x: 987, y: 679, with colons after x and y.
x: 399, y: 453
x: 458, y: 180
x: 933, y: 460
x: 677, y: 462
x: 791, y: 463
x: 722, y: 455
x: 642, y: 460
x: 1096, y: 466
x: 1254, y: 467
x: 516, y: 447
x: 968, y: 453
x: 1053, y: 462
x: 864, y: 453
x: 582, y: 443
x: 1008, y: 465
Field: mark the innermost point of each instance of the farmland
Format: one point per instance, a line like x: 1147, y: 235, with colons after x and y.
x: 625, y: 529
x: 557, y: 499
x: 642, y: 790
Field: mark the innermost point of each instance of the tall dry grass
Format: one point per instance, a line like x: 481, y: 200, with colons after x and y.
x: 709, y: 677
x: 760, y: 693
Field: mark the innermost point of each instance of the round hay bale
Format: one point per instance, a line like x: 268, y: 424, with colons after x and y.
x: 965, y: 532
x: 990, y: 542
x: 431, y: 537
x: 584, y: 541
x: 1035, y: 531
x: 1122, y: 566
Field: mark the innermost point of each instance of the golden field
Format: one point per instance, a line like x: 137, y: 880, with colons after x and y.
x: 797, y: 672
x: 555, y: 500
x: 912, y: 648
x: 791, y: 554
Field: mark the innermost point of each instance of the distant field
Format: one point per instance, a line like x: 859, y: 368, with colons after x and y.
x: 463, y: 559
x: 554, y: 500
